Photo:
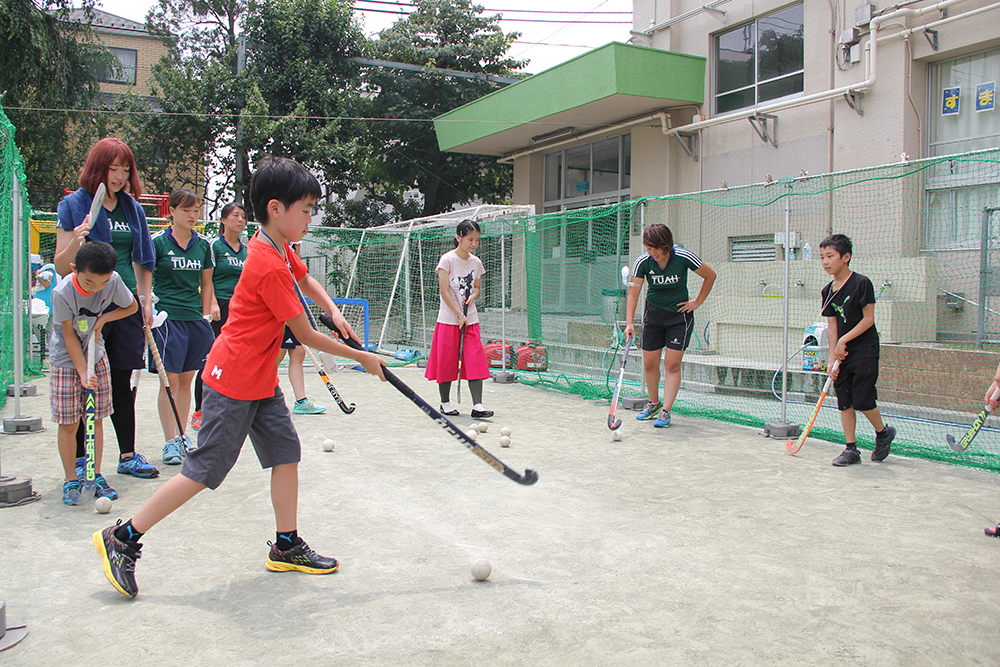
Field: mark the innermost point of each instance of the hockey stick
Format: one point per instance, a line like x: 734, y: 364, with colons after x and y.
x: 461, y: 345
x: 794, y: 447
x: 612, y: 422
x: 346, y: 409
x: 89, y: 485
x: 966, y: 440
x: 164, y: 382
x: 528, y: 478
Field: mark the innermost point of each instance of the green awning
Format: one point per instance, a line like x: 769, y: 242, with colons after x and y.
x: 612, y: 83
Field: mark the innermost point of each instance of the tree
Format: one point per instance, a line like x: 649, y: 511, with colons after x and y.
x: 444, y: 34
x: 47, y: 64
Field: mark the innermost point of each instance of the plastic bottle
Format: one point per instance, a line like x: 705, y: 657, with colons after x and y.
x: 806, y: 251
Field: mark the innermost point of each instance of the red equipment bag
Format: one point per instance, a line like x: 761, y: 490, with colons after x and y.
x: 532, y: 357
x: 493, y: 354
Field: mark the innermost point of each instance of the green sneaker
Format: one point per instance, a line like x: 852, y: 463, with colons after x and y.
x: 649, y: 412
x: 307, y: 407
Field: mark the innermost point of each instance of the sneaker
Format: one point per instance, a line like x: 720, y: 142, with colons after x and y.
x: 649, y: 412
x: 196, y: 420
x: 301, y: 558
x: 118, y: 559
x: 847, y: 457
x: 173, y: 452
x: 137, y: 466
x: 481, y: 414
x: 103, y: 489
x: 448, y: 413
x: 992, y: 532
x: 882, y: 446
x: 81, y: 467
x: 71, y: 490
x: 663, y: 420
x: 307, y: 407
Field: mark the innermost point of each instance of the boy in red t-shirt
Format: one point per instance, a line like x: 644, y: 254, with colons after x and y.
x: 241, y: 394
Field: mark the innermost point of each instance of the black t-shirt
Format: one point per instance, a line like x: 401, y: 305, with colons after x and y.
x: 847, y: 305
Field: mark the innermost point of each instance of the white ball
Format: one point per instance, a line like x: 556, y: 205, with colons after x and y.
x: 616, y: 435
x: 505, y: 431
x: 103, y: 505
x: 481, y: 569
x: 483, y: 427
x: 328, y: 445
x: 472, y: 433
x: 504, y: 441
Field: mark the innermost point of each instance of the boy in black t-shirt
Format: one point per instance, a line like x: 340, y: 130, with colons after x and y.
x: 849, y: 305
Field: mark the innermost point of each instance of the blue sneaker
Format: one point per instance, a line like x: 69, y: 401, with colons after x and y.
x: 307, y: 407
x: 649, y: 412
x: 173, y: 452
x: 71, y: 489
x: 663, y: 420
x: 103, y: 490
x: 137, y: 466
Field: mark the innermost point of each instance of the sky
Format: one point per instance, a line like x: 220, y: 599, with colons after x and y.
x: 548, y: 38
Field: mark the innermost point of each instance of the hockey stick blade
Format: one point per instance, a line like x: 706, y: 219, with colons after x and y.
x: 527, y: 479
x: 794, y: 447
x: 963, y: 444
x: 95, y: 206
x: 614, y: 424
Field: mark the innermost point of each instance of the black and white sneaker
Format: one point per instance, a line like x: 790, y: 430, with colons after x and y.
x: 881, y: 449
x: 448, y: 413
x: 299, y: 558
x: 481, y: 414
x: 847, y: 457
x: 118, y: 559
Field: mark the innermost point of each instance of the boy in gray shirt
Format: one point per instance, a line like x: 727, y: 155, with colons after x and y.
x: 78, y: 304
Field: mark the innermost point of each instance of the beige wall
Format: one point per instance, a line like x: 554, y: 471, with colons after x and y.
x: 149, y: 50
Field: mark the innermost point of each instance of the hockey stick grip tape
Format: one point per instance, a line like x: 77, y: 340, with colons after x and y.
x: 156, y: 357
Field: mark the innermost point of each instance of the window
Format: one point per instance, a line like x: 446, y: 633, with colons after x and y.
x: 760, y: 61
x: 590, y: 173
x: 962, y: 117
x: 121, y: 72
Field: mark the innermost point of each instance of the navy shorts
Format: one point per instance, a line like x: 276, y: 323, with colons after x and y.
x: 226, y: 423
x: 855, y: 384
x: 663, y: 328
x: 288, y: 340
x: 183, y: 346
x: 125, y: 342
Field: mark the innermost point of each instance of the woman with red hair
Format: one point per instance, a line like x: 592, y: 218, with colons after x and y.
x: 122, y: 223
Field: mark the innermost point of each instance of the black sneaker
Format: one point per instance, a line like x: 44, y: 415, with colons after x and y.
x: 882, y: 446
x: 301, y: 558
x: 481, y: 414
x: 847, y: 457
x: 449, y: 413
x: 119, y: 559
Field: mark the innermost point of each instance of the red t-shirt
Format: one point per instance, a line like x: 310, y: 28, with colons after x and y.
x: 243, y: 361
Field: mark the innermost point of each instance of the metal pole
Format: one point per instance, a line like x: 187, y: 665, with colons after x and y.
x: 423, y: 302
x: 984, y: 251
x: 642, y: 231
x: 784, y: 352
x: 503, y: 297
x: 18, y: 302
x: 354, y: 264
x: 395, y: 284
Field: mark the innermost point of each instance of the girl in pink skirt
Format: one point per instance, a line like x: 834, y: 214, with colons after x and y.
x: 459, y: 272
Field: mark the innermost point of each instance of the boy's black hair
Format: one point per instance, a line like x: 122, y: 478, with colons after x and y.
x: 465, y: 228
x: 838, y: 242
x: 96, y: 257
x: 658, y: 236
x: 282, y: 179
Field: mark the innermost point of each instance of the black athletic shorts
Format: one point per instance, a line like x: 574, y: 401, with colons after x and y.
x: 855, y: 385
x: 288, y: 340
x: 664, y: 328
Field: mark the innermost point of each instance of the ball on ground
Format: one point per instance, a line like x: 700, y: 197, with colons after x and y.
x: 483, y: 427
x: 472, y: 433
x: 481, y: 569
x: 328, y: 445
x: 616, y: 435
x: 103, y: 505
x: 505, y: 431
x: 504, y: 441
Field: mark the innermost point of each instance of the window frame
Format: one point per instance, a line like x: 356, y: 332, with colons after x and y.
x: 108, y: 75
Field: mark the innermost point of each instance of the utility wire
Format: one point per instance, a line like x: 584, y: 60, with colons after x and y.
x: 404, y: 13
x: 513, y: 11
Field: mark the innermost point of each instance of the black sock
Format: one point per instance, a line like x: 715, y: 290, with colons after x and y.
x: 127, y: 533
x: 852, y: 445
x: 301, y: 400
x: 286, y: 541
x: 883, y: 434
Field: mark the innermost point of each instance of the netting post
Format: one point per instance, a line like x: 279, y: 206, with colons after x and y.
x: 354, y: 268
x: 783, y: 429
x: 395, y: 284
x: 423, y: 302
x: 984, y: 273
x: 503, y: 299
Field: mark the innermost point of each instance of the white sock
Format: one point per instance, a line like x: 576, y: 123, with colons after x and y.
x: 446, y: 407
x: 478, y: 407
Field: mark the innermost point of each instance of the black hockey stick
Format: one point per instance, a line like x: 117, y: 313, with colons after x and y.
x: 612, y: 422
x: 346, y: 409
x: 529, y: 477
x: 461, y: 346
x: 966, y: 440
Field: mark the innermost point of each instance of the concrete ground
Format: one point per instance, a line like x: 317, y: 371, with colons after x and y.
x: 702, y: 544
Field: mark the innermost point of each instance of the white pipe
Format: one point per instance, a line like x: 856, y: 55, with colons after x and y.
x: 871, y: 52
x: 933, y: 24
x: 680, y: 17
x: 395, y: 284
x: 354, y: 267
x: 18, y: 300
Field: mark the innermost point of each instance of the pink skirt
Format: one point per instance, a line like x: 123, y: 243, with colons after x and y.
x: 442, y: 365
